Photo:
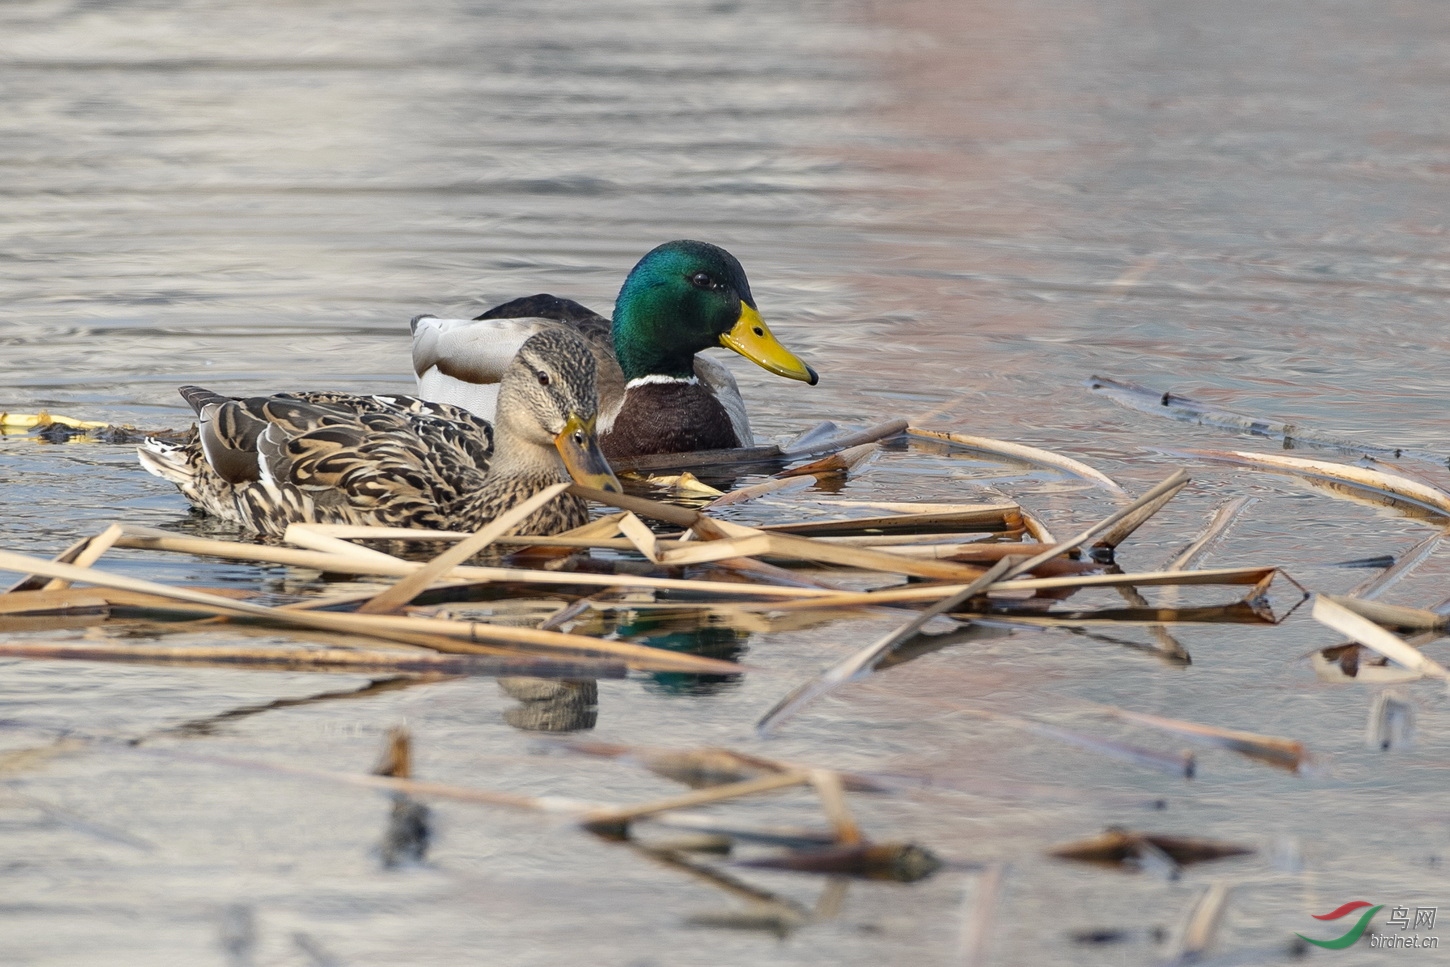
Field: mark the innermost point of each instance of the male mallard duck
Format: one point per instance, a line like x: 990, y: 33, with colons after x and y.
x: 269, y: 461
x: 655, y: 394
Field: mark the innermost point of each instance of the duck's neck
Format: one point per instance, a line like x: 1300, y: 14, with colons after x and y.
x: 647, y: 338
x: 519, y: 469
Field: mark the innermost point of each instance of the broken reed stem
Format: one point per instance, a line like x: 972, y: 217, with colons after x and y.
x: 623, y: 815
x: 1139, y: 510
x: 843, y: 441
x: 447, y: 636
x: 1224, y: 518
x: 853, y: 665
x: 319, y: 659
x: 1392, y: 575
x: 414, y: 584
x: 981, y: 916
x: 1023, y: 453
x: 393, y: 567
x: 90, y: 554
x: 833, y: 801
x: 1274, y: 749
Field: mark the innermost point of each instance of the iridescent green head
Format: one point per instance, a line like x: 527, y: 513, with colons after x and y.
x: 686, y: 296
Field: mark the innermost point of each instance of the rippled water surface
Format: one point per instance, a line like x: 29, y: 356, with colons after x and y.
x: 957, y: 212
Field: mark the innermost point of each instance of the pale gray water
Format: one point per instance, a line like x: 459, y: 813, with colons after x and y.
x: 940, y: 205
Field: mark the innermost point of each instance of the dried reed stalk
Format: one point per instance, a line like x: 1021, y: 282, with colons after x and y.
x: 1024, y: 454
x: 153, y: 539
x: 843, y: 671
x: 1336, y: 615
x: 414, y: 584
x: 319, y: 659
x: 447, y: 636
x: 623, y: 815
x: 1373, y: 482
x: 1287, y: 753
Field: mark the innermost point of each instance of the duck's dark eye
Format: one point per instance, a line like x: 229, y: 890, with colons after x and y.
x: 543, y: 378
x: 579, y: 438
x: 703, y: 280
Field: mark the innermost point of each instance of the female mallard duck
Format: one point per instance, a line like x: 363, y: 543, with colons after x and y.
x: 270, y: 461
x: 655, y: 394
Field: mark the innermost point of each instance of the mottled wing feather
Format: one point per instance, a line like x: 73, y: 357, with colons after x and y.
x: 331, y: 457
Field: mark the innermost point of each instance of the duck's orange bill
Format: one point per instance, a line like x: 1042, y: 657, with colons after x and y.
x: 579, y: 446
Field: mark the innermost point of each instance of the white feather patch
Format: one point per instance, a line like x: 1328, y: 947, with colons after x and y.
x: 667, y: 380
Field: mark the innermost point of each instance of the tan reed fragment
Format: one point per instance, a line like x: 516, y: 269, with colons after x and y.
x: 843, y: 671
x: 452, y: 636
x: 145, y: 538
x: 1025, y: 454
x: 415, y: 583
x: 626, y: 814
x: 305, y: 659
x: 833, y: 801
x: 980, y: 918
x: 1274, y: 749
x: 1203, y: 923
x: 1334, y: 613
x: 90, y: 554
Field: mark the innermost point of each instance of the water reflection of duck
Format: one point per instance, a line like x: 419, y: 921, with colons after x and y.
x: 269, y: 461
x: 656, y: 395
x: 712, y: 641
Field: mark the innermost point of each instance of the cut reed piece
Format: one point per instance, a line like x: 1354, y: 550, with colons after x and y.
x: 619, y: 817
x: 1218, y: 526
x: 95, y: 548
x: 804, y: 549
x: 843, y: 671
x: 449, y: 636
x: 1393, y: 615
x: 1203, y: 923
x: 1259, y: 577
x: 313, y: 659
x: 143, y: 538
x: 1376, y: 486
x: 1398, y: 571
x: 980, y: 917
x: 1333, y: 613
x: 784, y: 485
x: 66, y: 601
x: 812, y: 444
x: 1275, y: 750
x: 905, y: 519
x: 30, y: 421
x: 833, y: 801
x: 846, y: 461
x: 1023, y: 454
x: 901, y: 862
x: 1138, y: 512
x: 1120, y: 847
x: 33, y: 582
x: 1188, y: 410
x: 414, y: 584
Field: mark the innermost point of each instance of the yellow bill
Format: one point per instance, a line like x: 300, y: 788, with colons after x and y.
x: 752, y: 338
x: 579, y: 446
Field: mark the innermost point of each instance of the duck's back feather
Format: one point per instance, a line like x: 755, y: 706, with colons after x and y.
x: 327, y: 457
x: 460, y: 361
